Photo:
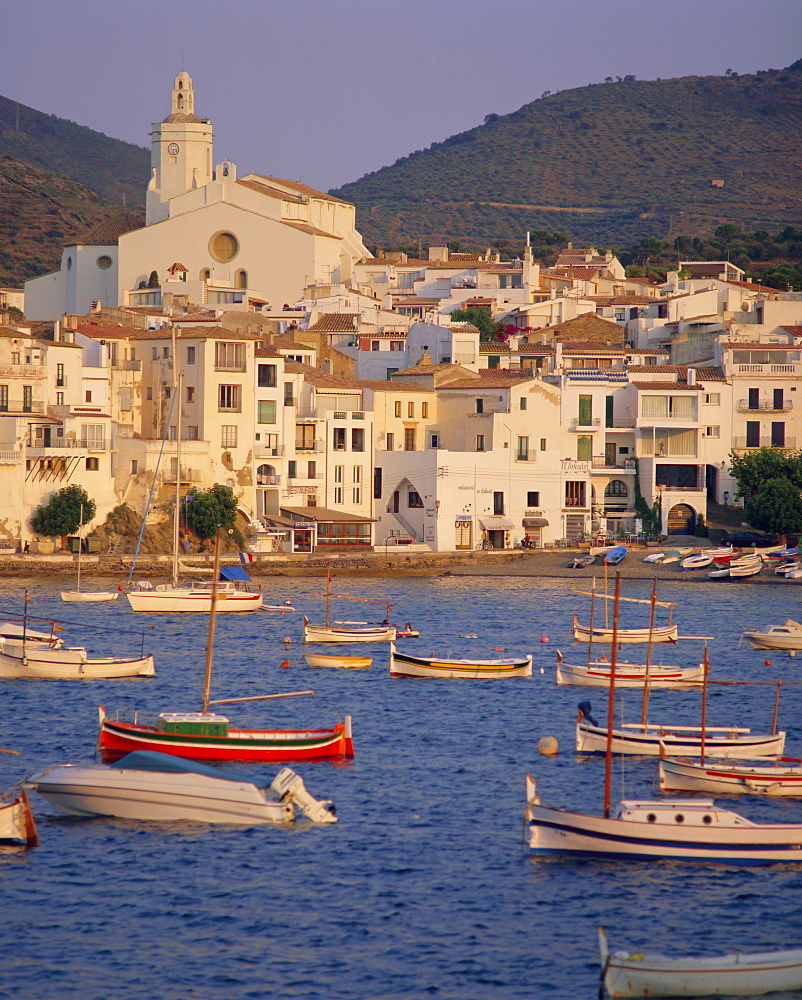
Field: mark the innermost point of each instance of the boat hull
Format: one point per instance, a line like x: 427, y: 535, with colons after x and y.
x: 17, y: 825
x: 786, y: 636
x: 340, y: 662
x: 632, y: 675
x: 173, y: 601
x: 335, y: 633
x: 119, y: 738
x: 89, y: 596
x: 730, y: 779
x: 406, y: 665
x: 660, y: 633
x: 728, y: 744
x: 148, y: 795
x: 68, y: 663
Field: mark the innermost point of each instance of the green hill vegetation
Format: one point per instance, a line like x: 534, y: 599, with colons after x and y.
x: 608, y: 164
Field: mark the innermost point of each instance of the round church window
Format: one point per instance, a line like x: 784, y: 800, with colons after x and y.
x: 104, y: 262
x: 223, y: 247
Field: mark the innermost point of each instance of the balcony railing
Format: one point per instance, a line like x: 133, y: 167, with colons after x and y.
x: 230, y: 368
x: 11, y: 456
x: 767, y: 369
x: 620, y: 464
x: 264, y: 451
x: 578, y: 424
x: 526, y: 456
x: 741, y: 444
x: 126, y: 366
x: 764, y: 406
x: 268, y: 480
x: 18, y: 406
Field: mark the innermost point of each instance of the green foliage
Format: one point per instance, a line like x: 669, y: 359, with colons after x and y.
x: 753, y: 470
x: 209, y: 510
x: 650, y: 517
x: 480, y: 317
x: 153, y: 280
x: 776, y: 507
x: 701, y: 528
x: 62, y: 514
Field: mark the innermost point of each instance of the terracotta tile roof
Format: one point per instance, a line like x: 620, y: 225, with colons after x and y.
x: 621, y: 300
x: 479, y: 300
x: 412, y: 300
x: 752, y: 286
x: 795, y: 331
x: 108, y: 233
x: 585, y: 329
x: 181, y: 116
x: 383, y: 385
x: 503, y: 374
x: 498, y: 348
x: 489, y: 378
x: 287, y: 344
x: 266, y: 189
x: 673, y: 386
x: 585, y: 273
x: 335, y: 323
x: 421, y: 370
x: 267, y: 352
x: 571, y: 347
x: 321, y: 380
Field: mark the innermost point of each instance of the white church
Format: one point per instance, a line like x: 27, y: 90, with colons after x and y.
x: 213, y: 240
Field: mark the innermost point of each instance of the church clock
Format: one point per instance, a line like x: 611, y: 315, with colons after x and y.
x: 173, y: 149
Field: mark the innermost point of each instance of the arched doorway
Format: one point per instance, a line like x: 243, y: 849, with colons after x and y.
x: 681, y: 520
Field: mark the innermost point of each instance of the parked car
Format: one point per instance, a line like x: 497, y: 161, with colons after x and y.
x: 750, y: 540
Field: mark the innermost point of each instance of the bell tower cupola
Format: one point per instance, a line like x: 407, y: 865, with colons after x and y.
x: 181, y: 152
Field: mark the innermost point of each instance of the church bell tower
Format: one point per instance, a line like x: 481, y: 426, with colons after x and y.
x: 181, y: 152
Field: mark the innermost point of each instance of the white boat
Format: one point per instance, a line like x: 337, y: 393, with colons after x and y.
x: 747, y: 567
x: 17, y: 825
x: 406, y: 665
x: 349, y: 631
x: 152, y: 786
x: 11, y: 630
x: 697, y: 561
x: 340, y: 661
x: 654, y: 557
x: 719, y: 574
x: 659, y: 633
x: 730, y: 778
x: 596, y: 673
x: 79, y: 596
x: 785, y: 636
x: 683, y: 741
x: 195, y: 596
x: 787, y: 568
x: 36, y: 659
x: 644, y: 974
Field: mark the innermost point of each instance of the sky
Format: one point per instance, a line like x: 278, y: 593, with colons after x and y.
x: 325, y: 92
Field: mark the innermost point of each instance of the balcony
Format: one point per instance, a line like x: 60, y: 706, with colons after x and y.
x: 17, y: 407
x: 268, y: 480
x: 126, y: 366
x: 26, y: 371
x: 526, y: 456
x: 740, y: 444
x: 773, y: 369
x: 765, y: 406
x: 265, y: 451
x: 310, y: 447
x: 230, y: 368
x: 583, y: 426
x: 9, y: 457
x: 620, y: 465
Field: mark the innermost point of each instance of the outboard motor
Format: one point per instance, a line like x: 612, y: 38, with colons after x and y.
x: 585, y: 708
x: 288, y: 784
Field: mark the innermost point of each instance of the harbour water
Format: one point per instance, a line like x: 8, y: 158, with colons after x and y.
x: 424, y: 887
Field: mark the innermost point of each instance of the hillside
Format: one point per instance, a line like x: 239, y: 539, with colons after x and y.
x: 608, y: 163
x: 40, y: 212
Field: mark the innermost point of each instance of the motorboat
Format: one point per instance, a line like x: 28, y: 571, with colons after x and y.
x: 781, y: 778
x: 596, y: 673
x: 158, y: 787
x: 38, y: 659
x: 343, y: 662
x: 785, y: 636
x: 406, y: 665
x: 640, y: 973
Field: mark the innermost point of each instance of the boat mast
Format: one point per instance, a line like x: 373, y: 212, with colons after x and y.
x: 80, y: 546
x: 176, y: 514
x: 608, y: 758
x: 644, y: 708
x: 592, y: 609
x: 705, y: 675
x: 328, y: 596
x: 207, y: 678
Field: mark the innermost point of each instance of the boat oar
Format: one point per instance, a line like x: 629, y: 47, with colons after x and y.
x: 261, y: 697
x: 15, y: 752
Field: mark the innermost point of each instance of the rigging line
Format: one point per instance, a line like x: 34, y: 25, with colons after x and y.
x: 153, y: 484
x: 14, y: 617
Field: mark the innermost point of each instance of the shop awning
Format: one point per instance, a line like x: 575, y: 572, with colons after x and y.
x: 535, y: 522
x: 496, y: 524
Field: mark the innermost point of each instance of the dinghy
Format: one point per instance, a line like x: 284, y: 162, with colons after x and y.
x: 406, y: 665
x: 698, y: 561
x: 340, y: 661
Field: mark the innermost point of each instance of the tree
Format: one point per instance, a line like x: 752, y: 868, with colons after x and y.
x: 67, y: 511
x: 153, y: 280
x: 206, y: 511
x: 480, y: 317
x: 753, y: 470
x: 776, y: 507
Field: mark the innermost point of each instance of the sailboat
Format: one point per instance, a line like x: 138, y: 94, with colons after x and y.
x: 79, y: 596
x: 231, y: 595
x: 348, y: 631
x: 207, y: 736
x: 651, y: 633
x: 642, y: 829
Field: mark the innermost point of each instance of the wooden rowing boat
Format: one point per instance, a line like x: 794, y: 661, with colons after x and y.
x: 407, y: 665
x: 340, y: 661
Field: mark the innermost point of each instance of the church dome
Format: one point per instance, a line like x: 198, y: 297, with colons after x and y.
x: 181, y: 117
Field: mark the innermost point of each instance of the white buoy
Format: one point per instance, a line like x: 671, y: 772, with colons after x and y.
x: 548, y: 746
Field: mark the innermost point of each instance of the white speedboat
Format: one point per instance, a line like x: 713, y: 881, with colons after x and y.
x: 785, y: 636
x: 646, y: 974
x: 153, y: 786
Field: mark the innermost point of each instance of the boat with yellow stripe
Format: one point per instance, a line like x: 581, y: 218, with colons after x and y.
x: 406, y: 665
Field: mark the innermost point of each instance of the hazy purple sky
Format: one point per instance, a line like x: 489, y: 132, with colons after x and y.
x: 326, y: 91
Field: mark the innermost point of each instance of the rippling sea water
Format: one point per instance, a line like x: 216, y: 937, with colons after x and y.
x: 424, y: 887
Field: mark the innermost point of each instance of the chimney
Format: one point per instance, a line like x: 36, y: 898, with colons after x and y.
x: 690, y: 376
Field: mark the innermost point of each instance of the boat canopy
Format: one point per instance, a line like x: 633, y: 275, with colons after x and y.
x: 233, y: 573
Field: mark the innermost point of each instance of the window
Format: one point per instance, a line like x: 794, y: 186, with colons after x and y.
x: 377, y: 484
x: 4, y: 398
x: 165, y: 352
x: 267, y: 411
x: 190, y: 393
x: 311, y: 470
x: 398, y: 407
x: 712, y: 432
x: 778, y: 434
x: 168, y: 392
x: 339, y: 473
x: 241, y: 279
x: 173, y: 432
x: 92, y: 464
x: 125, y: 397
x: 480, y: 442
x: 712, y: 398
x: 390, y: 442
x: 523, y: 402
x: 59, y: 398
x: 229, y: 398
x: 192, y: 432
x: 266, y: 376
x: 434, y: 441
x: 585, y: 411
x: 338, y: 494
x: 230, y: 357
x: 575, y: 494
x: 149, y: 392
x: 410, y: 410
x: 609, y: 405
x: 305, y: 437
x: 154, y: 354
x: 338, y: 439
x: 357, y: 494
x: 668, y: 406
x: 480, y: 405
x: 87, y: 394
x: 190, y: 355
x: 752, y: 433
x: 374, y: 345
x: 92, y: 437
x: 616, y: 488
x: 289, y: 398
x: 228, y: 438
x: 498, y: 503
x: 533, y: 498
x: 523, y: 449
x: 424, y: 410
x: 134, y: 466
x: 357, y: 439
x: 223, y: 247
x: 104, y: 262
x: 396, y: 345
x: 542, y: 444
x: 414, y: 499
x: 409, y: 439
x: 292, y: 469
x: 60, y: 375
x: 754, y: 399
x: 357, y: 473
